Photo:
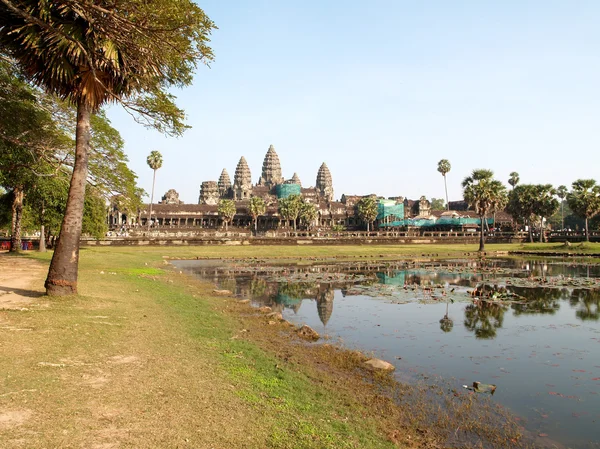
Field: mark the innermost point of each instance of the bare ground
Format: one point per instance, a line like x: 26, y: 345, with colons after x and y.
x: 20, y: 282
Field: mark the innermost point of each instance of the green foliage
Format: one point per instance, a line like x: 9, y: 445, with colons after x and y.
x: 227, y: 210
x: 584, y: 199
x: 98, y: 52
x: 514, y: 179
x: 308, y: 214
x: 289, y: 208
x: 444, y: 167
x: 154, y: 160
x: 36, y: 147
x: 437, y: 204
x: 94, y: 215
x: 483, y: 192
x: 367, y: 210
x: 46, y: 202
x: 561, y: 192
x: 257, y: 207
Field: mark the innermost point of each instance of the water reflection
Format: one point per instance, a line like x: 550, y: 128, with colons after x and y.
x: 588, y: 303
x: 446, y: 323
x: 543, y: 317
x: 485, y: 285
x: 484, y: 318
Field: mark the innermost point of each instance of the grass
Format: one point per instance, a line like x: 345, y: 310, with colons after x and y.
x: 145, y: 357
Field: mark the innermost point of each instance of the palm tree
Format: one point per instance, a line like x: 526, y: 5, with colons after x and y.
x: 444, y: 167
x: 514, y: 179
x: 584, y: 200
x: 93, y: 53
x: 154, y: 161
x: 561, y: 192
x: 483, y: 193
x: 257, y: 208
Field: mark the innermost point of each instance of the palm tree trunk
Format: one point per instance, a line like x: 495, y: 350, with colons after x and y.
x: 446, y: 188
x: 17, y: 216
x: 62, y: 275
x: 541, y: 229
x: 562, y: 214
x: 481, y: 234
x: 151, y: 200
x: 587, y: 232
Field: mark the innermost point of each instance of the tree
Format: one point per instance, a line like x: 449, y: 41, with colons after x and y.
x: 484, y: 194
x: 257, y: 208
x: 36, y: 154
x: 545, y: 204
x: 584, y: 201
x: 437, y: 204
x: 93, y: 53
x: 227, y: 210
x: 367, y: 210
x: 308, y: 214
x: 290, y: 207
x: 154, y: 161
x: 514, y: 179
x: 561, y: 192
x: 444, y: 168
x: 521, y: 205
x: 46, y: 202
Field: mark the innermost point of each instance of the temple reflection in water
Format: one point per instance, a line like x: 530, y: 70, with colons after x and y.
x: 287, y: 287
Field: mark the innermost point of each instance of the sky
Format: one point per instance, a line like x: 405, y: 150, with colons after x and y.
x: 382, y: 90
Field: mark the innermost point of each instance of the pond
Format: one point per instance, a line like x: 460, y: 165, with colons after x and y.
x: 530, y: 327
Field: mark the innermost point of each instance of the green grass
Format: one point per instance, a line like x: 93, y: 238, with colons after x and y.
x: 197, y: 377
x: 181, y: 338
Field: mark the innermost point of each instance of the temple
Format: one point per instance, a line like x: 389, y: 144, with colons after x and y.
x: 271, y: 186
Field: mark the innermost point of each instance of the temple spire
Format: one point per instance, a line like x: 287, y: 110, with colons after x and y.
x: 271, y: 169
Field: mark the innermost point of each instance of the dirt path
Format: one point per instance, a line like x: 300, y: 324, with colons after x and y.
x: 21, y: 281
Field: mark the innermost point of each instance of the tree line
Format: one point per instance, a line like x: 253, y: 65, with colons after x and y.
x: 90, y: 54
x: 530, y: 205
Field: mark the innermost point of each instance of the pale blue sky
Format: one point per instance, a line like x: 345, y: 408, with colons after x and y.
x: 382, y: 90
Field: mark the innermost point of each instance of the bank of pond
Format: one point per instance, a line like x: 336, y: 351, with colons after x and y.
x: 529, y: 327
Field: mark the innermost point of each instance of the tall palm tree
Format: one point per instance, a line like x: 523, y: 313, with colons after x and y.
x: 584, y: 200
x: 93, y: 53
x: 155, y: 161
x: 484, y: 194
x: 514, y: 179
x: 444, y: 167
x: 561, y: 192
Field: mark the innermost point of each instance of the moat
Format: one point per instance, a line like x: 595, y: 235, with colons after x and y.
x: 530, y: 327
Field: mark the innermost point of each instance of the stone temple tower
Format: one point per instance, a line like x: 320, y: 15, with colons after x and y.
x: 242, y: 181
x: 209, y: 193
x: 295, y: 180
x: 224, y: 184
x: 324, y: 183
x: 271, y: 170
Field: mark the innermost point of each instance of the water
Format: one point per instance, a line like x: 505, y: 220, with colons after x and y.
x: 530, y: 327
